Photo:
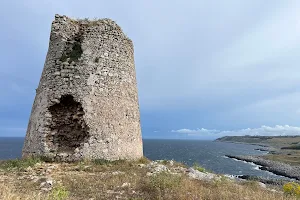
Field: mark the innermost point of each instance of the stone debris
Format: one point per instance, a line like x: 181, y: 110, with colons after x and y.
x: 155, y: 167
x: 47, y: 185
x: 262, y: 185
x: 171, y: 162
x: 141, y: 165
x: 195, y: 174
x: 125, y: 185
x: 117, y: 173
x: 28, y: 169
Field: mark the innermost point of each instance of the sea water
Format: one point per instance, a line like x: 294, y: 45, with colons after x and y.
x: 209, y: 154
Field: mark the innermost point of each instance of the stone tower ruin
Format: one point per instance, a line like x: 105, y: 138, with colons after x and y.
x: 86, y: 104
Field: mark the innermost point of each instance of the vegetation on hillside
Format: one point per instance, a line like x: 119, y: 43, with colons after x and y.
x: 101, y: 179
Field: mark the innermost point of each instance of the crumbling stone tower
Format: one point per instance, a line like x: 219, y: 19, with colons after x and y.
x: 86, y: 104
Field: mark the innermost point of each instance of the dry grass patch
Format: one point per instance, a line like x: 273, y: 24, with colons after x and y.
x: 9, y: 192
x: 292, y: 159
x: 169, y: 187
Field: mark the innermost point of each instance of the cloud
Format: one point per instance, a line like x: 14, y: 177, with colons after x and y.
x: 195, y: 131
x: 206, y: 60
x: 263, y: 130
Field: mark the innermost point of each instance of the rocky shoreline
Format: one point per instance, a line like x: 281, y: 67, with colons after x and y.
x: 277, y: 168
x: 267, y: 181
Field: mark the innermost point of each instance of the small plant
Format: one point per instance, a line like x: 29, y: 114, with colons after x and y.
x: 199, y: 168
x: 143, y: 160
x: 81, y: 166
x: 292, y: 188
x: 59, y: 193
x: 101, y: 162
x: 165, y: 162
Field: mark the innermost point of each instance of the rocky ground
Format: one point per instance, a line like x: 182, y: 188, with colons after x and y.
x: 278, y: 168
x: 142, y: 179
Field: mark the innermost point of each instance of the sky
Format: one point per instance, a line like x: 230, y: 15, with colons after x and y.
x: 205, y: 68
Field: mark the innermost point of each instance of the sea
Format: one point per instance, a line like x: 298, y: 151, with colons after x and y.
x: 208, y: 154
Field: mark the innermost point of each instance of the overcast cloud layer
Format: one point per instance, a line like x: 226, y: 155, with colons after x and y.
x: 223, y: 65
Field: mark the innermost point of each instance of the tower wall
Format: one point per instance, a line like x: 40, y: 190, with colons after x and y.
x: 86, y: 104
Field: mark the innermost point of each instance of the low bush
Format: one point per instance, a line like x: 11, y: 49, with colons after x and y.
x: 199, y: 168
x: 292, y: 188
x: 59, y: 193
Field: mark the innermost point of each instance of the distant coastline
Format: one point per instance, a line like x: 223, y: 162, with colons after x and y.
x: 282, y: 155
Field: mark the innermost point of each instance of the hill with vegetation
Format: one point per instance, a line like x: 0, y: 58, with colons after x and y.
x: 274, y: 141
x: 144, y: 179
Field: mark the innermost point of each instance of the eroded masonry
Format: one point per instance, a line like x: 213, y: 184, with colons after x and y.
x: 86, y: 104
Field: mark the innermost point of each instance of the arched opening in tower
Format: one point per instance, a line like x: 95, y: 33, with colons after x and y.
x: 68, y: 128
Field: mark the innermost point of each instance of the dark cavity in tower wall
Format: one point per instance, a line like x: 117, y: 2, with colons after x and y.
x: 68, y: 128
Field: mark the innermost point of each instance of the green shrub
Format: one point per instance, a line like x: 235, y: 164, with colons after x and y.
x: 199, y: 168
x: 59, y: 193
x: 165, y: 162
x: 292, y: 188
x: 143, y: 160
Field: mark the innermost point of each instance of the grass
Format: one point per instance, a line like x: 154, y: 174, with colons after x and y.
x: 100, y: 179
x: 59, y: 193
x: 20, y: 164
x: 7, y: 192
x: 160, y: 185
x: 292, y: 159
x: 199, y: 168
